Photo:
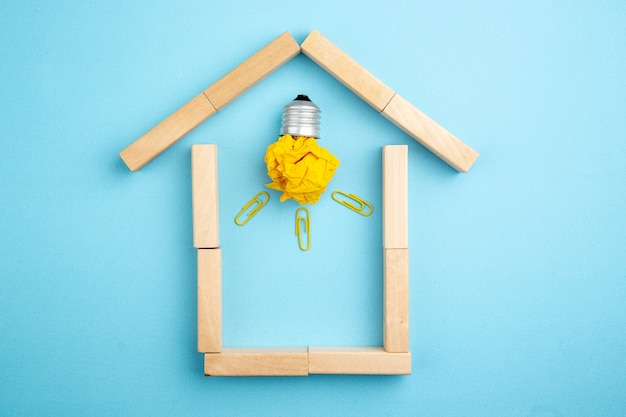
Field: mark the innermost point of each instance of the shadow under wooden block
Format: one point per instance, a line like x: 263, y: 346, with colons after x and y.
x: 395, y: 197
x: 205, y: 202
x: 358, y: 361
x: 430, y: 134
x: 257, y: 362
x: 396, y: 300
x: 210, y: 300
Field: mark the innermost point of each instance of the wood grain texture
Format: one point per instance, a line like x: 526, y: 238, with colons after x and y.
x: 210, y: 300
x: 205, y: 202
x: 257, y: 362
x: 430, y: 134
x: 347, y: 70
x: 358, y: 361
x: 253, y: 70
x: 395, y: 197
x: 166, y: 133
x: 396, y: 300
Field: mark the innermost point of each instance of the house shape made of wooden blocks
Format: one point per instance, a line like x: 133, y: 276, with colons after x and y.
x: 328, y: 56
x: 393, y: 357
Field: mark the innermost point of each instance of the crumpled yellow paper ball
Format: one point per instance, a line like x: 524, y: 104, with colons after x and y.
x: 300, y: 168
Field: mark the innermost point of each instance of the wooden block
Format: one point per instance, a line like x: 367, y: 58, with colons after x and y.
x: 396, y: 300
x: 210, y: 300
x: 166, y: 133
x: 253, y: 70
x: 430, y: 134
x: 205, y: 202
x: 347, y: 70
x: 205, y: 104
x: 358, y: 360
x: 395, y: 197
x: 257, y: 362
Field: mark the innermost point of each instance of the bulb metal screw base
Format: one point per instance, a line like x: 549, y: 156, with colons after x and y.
x: 301, y: 118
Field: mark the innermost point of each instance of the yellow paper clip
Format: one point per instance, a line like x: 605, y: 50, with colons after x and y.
x: 256, y: 203
x: 362, y: 204
x: 306, y: 218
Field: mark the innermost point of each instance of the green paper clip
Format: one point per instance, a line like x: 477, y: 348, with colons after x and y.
x: 306, y: 218
x: 256, y: 203
x: 362, y: 204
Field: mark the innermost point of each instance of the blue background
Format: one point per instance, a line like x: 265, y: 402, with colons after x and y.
x: 518, y: 268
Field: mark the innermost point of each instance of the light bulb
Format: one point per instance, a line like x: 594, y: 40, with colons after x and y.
x: 297, y: 165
